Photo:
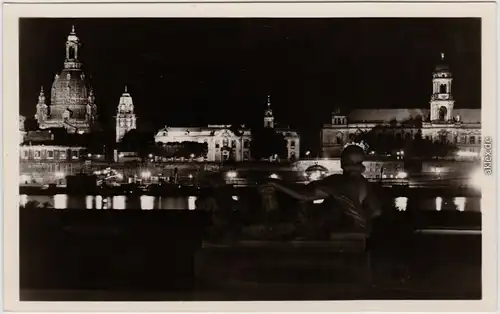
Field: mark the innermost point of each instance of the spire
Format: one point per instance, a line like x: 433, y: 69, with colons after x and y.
x: 73, y: 29
x: 126, y: 89
x: 268, y: 100
x: 442, y: 56
x: 41, y: 97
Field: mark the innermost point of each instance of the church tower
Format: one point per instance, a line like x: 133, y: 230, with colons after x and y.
x: 268, y: 114
x: 125, y: 117
x: 441, y: 100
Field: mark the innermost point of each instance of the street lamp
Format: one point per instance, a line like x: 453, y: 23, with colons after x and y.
x: 307, y: 154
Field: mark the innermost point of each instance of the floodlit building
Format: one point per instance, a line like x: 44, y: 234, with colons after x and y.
x: 125, y: 117
x: 441, y: 121
x: 223, y: 143
x: 72, y: 102
x: 226, y: 144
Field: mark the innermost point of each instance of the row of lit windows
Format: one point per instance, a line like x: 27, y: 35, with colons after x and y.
x: 51, y: 154
x: 124, y: 123
x: 464, y: 139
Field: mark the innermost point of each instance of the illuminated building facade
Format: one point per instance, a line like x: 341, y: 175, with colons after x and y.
x: 42, y: 160
x: 223, y: 143
x: 440, y: 122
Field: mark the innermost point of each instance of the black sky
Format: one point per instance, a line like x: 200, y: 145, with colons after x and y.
x: 200, y: 71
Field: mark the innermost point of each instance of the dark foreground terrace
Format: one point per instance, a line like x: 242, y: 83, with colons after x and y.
x: 70, y: 255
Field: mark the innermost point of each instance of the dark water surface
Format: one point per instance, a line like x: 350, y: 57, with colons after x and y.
x: 147, y: 202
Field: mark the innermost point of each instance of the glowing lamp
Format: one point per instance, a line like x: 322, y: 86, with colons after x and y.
x: 146, y: 174
x: 273, y: 176
x: 402, y: 175
x: 60, y: 174
x: 232, y: 174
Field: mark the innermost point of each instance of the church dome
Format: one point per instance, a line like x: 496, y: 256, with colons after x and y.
x: 70, y: 90
x: 72, y: 103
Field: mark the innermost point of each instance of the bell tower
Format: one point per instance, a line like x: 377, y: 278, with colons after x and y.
x: 441, y: 100
x: 72, y: 47
x: 125, y: 117
x: 268, y: 114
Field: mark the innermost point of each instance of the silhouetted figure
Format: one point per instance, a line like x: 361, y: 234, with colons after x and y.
x: 349, y: 203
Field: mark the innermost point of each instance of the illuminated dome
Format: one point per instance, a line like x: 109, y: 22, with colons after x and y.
x: 72, y: 100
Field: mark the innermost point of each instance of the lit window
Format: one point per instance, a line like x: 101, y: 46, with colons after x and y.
x: 225, y: 142
x: 62, y: 154
x: 75, y: 154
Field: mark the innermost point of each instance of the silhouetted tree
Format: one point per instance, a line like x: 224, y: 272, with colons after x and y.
x: 137, y: 141
x: 266, y: 142
x: 182, y: 149
x: 30, y: 124
x: 382, y: 139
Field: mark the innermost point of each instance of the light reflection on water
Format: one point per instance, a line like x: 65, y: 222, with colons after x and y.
x: 145, y: 202
x: 401, y: 203
x: 439, y: 203
x: 60, y: 201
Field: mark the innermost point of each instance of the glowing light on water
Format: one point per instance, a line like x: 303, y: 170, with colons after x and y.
x: 460, y: 203
x: 89, y: 201
x: 147, y: 202
x: 192, y: 202
x: 119, y: 202
x: 98, y: 202
x: 439, y: 203
x: 60, y: 201
x: 273, y: 176
x: 318, y: 201
x: 23, y: 199
x: 401, y: 203
x: 235, y: 197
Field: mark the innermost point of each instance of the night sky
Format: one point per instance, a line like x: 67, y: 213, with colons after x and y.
x: 197, y: 71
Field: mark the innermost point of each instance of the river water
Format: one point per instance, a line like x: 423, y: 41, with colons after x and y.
x: 145, y: 202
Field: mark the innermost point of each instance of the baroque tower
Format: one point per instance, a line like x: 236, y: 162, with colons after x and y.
x: 125, y: 116
x: 72, y: 103
x: 441, y: 100
x: 268, y: 114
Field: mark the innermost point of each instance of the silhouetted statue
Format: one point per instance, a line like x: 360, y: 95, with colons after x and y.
x: 349, y: 203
